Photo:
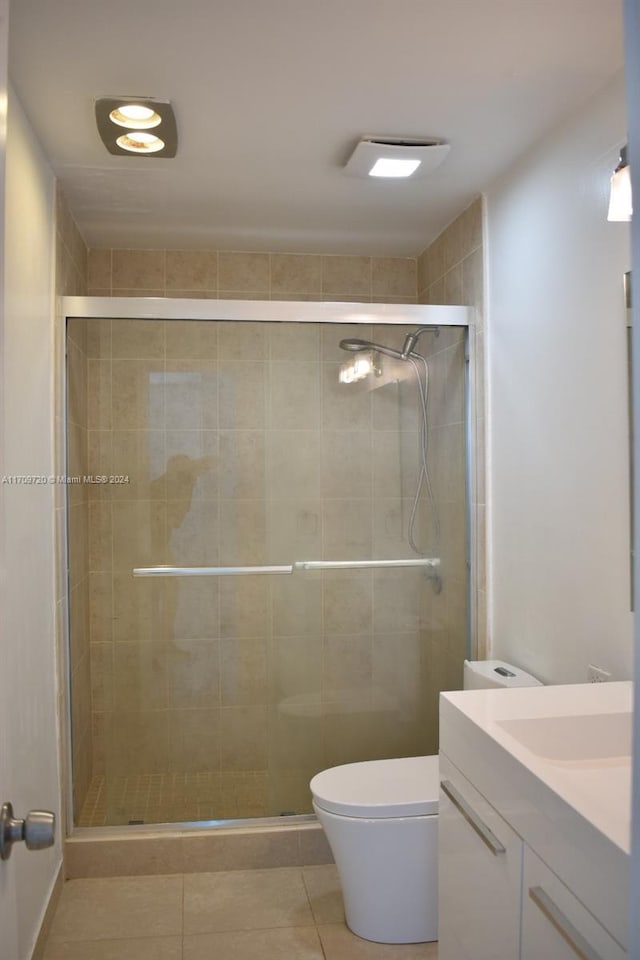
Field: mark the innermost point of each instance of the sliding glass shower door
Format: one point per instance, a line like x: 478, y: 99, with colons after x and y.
x: 234, y: 445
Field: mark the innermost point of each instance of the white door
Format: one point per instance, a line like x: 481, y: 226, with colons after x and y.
x: 8, y: 757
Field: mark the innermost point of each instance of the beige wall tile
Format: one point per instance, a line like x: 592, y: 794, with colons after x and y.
x: 137, y: 270
x: 297, y: 606
x: 242, y: 464
x: 350, y: 276
x: 192, y: 608
x: 244, y: 738
x: 294, y: 341
x: 243, y: 671
x: 194, y: 744
x: 241, y: 395
x: 192, y: 465
x: 140, y: 611
x: 243, y: 532
x: 101, y: 676
x: 294, y: 530
x: 99, y: 269
x: 345, y: 406
x: 243, y: 272
x: 137, y: 394
x: 98, y: 339
x: 191, y: 270
x: 396, y: 601
x: 140, y: 536
x: 193, y: 674
x: 314, y: 848
x: 347, y: 667
x: 100, y: 607
x: 191, y: 340
x: 346, y: 464
x: 137, y: 339
x: 139, y: 676
x: 293, y: 462
x: 244, y: 606
x: 347, y: 529
x: 242, y: 341
x: 295, y: 273
x: 294, y: 395
x: 393, y: 276
x: 347, y: 604
x: 137, y: 740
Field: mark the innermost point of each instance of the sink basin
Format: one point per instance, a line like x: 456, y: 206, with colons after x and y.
x: 601, y: 738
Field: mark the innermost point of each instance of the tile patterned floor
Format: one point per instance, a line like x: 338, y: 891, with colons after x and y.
x: 287, y: 913
x: 175, y: 797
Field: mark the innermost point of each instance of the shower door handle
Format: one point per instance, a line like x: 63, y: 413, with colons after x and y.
x: 37, y: 830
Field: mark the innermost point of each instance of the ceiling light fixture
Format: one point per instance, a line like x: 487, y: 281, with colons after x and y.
x: 396, y: 157
x: 138, y: 141
x: 123, y: 123
x: 620, y: 200
x: 134, y: 115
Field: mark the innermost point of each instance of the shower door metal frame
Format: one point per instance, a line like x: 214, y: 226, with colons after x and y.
x: 273, y: 311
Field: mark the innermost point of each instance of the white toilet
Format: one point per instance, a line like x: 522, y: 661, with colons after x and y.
x: 381, y: 821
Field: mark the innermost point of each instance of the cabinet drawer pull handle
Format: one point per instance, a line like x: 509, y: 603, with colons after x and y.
x: 562, y: 924
x: 486, y: 835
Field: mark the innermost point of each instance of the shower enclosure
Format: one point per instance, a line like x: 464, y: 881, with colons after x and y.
x: 330, y: 603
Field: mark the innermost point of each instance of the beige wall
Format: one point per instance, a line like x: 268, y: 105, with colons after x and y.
x: 450, y: 271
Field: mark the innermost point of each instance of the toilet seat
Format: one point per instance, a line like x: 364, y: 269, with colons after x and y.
x: 379, y: 789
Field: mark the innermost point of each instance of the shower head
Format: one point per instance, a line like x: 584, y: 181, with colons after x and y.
x: 355, y: 346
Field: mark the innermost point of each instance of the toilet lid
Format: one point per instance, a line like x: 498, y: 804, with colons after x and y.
x: 406, y: 787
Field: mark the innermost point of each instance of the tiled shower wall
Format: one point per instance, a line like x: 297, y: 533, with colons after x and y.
x: 240, y: 447
x: 450, y: 271
x: 259, y: 276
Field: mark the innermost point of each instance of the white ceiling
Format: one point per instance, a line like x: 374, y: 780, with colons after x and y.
x: 272, y: 95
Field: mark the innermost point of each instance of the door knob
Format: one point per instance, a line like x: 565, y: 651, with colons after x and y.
x: 37, y: 830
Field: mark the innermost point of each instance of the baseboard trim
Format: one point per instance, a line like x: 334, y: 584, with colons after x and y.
x: 49, y: 913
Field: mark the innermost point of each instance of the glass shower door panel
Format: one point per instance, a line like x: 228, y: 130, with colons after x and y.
x: 220, y: 697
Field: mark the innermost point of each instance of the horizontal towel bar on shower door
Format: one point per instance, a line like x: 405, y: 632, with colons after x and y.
x: 300, y: 566
x: 207, y: 571
x: 362, y: 564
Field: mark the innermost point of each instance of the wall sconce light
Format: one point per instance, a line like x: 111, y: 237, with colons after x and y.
x: 620, y: 200
x: 130, y: 126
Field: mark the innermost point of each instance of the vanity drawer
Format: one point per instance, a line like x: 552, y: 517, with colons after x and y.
x: 555, y: 924
x: 479, y: 872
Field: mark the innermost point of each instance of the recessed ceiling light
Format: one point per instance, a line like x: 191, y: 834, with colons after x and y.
x: 389, y: 167
x: 396, y: 157
x: 121, y: 122
x: 137, y: 141
x: 134, y: 115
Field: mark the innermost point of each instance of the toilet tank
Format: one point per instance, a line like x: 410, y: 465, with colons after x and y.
x: 479, y: 674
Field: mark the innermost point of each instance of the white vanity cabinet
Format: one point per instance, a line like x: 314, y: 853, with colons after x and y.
x: 480, y: 870
x: 555, y: 925
x: 534, y: 819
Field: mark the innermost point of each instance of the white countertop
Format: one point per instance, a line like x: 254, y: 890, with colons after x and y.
x: 599, y: 790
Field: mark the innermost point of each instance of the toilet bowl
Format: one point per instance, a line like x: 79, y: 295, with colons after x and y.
x: 381, y: 820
